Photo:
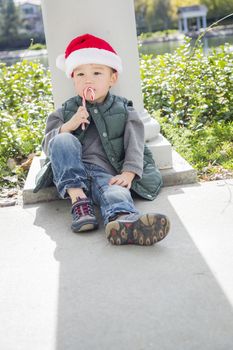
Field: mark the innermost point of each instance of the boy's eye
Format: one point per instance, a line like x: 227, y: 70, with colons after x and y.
x: 97, y: 73
x: 79, y: 74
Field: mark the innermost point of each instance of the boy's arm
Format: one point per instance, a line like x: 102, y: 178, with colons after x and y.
x: 134, y: 150
x: 133, y: 144
x: 53, y: 125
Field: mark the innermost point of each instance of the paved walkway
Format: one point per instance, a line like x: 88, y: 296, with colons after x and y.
x: 61, y: 291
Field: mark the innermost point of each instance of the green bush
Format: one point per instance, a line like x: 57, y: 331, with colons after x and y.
x: 158, y: 34
x: 37, y: 47
x: 211, y: 146
x: 25, y: 102
x: 189, y: 87
x: 193, y: 93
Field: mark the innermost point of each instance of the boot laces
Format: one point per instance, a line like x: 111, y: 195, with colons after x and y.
x: 83, y: 208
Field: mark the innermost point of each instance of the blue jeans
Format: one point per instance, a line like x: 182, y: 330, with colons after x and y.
x: 65, y: 152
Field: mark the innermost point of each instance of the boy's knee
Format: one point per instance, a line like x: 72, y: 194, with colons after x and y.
x: 63, y: 137
x: 117, y: 193
x: 64, y: 140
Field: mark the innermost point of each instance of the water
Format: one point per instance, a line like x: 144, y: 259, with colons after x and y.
x: 152, y: 48
x: 170, y: 46
x: 11, y: 60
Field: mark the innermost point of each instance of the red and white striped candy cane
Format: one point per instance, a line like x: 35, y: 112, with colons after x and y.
x: 85, y: 92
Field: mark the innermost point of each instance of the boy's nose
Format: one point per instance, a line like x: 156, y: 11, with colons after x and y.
x: 88, y: 79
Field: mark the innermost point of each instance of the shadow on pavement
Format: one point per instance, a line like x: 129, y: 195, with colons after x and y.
x: 129, y: 297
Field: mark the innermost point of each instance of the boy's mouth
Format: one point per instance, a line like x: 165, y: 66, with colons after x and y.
x: 86, y: 91
x: 89, y: 92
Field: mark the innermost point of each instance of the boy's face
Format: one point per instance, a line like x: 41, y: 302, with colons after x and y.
x: 98, y: 77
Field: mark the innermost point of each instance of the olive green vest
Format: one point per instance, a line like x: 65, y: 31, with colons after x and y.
x: 110, y: 119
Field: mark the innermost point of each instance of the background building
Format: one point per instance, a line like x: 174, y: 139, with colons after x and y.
x: 30, y: 16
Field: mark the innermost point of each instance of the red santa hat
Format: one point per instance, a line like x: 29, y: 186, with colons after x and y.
x: 87, y: 49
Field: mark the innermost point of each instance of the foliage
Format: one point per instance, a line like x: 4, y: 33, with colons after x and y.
x: 174, y: 4
x: 156, y: 35
x: 9, y: 19
x: 154, y: 15
x: 209, y: 147
x: 218, y: 8
x: 190, y: 88
x: 25, y: 102
x: 11, y: 35
x: 37, y: 46
x: 194, y: 95
x: 147, y: 7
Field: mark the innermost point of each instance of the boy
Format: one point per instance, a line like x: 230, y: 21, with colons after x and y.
x: 95, y: 148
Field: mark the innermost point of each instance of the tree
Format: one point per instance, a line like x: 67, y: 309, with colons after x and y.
x: 9, y: 20
x: 147, y: 8
x: 1, y: 16
x: 174, y: 4
x: 218, y: 8
x: 162, y: 19
x: 162, y: 14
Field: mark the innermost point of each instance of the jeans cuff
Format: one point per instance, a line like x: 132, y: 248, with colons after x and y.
x: 117, y: 209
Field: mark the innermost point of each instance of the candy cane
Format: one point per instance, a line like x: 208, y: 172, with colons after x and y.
x: 85, y: 92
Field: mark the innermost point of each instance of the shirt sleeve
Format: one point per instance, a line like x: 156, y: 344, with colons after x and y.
x: 53, y: 124
x: 134, y: 143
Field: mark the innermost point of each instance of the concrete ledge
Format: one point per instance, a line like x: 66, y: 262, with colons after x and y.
x: 162, y: 151
x: 44, y: 195
x: 180, y: 173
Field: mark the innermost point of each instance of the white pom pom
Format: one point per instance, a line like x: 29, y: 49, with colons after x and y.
x: 60, y: 62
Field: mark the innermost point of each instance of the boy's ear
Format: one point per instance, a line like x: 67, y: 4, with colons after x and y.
x: 114, y: 78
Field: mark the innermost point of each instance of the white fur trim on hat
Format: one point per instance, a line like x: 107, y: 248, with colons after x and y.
x: 88, y: 56
x: 60, y: 62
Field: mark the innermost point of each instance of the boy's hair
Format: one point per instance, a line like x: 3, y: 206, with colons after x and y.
x: 88, y: 49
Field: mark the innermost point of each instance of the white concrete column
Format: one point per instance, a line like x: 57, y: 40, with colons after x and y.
x: 204, y: 24
x: 180, y: 25
x: 185, y: 25
x: 112, y: 20
x: 198, y: 24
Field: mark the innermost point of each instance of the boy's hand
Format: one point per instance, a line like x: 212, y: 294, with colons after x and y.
x: 124, y: 179
x: 79, y: 118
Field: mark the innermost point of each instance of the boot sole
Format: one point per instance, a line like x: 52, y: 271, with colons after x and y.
x: 84, y: 227
x: 147, y: 230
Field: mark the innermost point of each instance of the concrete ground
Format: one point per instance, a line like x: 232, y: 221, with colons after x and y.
x: 65, y: 291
